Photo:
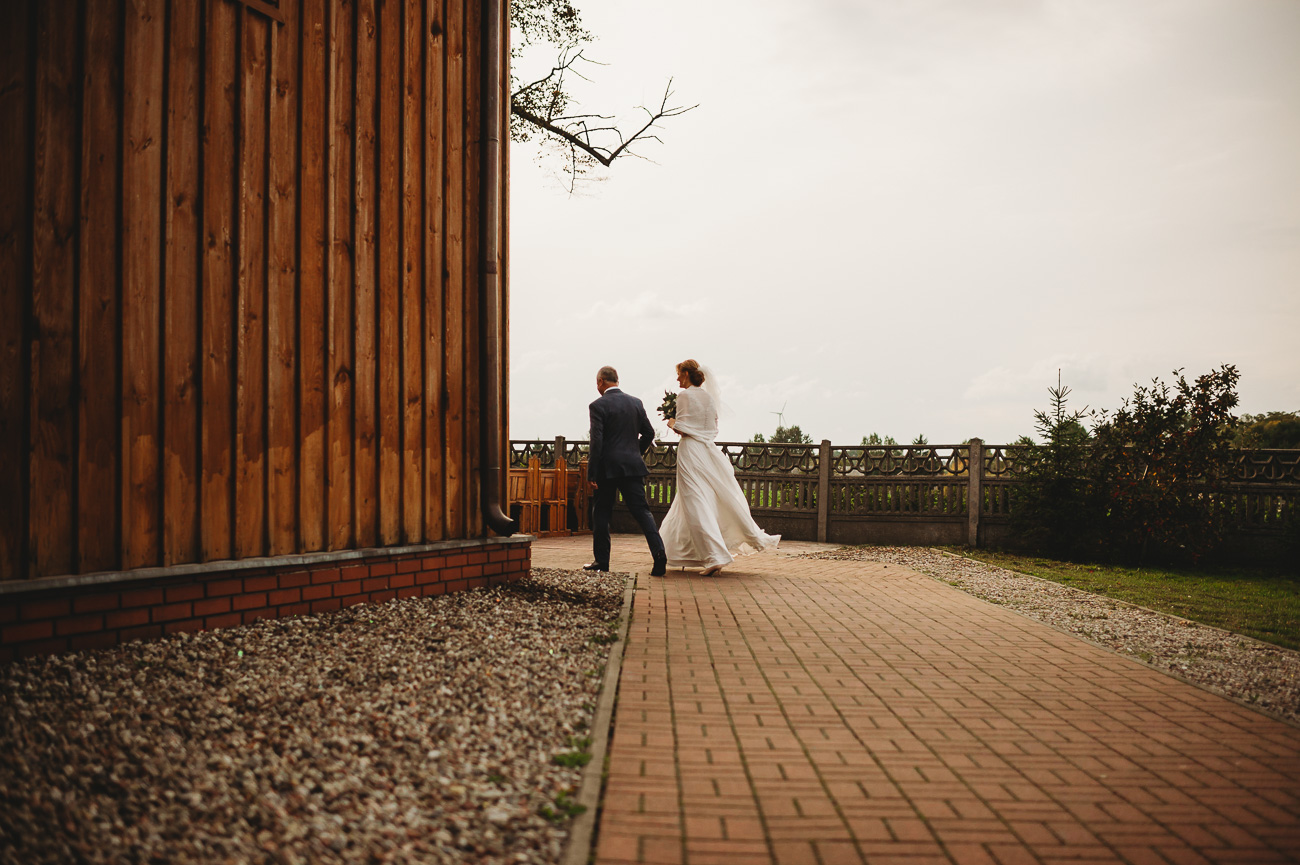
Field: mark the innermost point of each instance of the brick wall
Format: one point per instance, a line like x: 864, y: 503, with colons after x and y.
x: 91, y: 614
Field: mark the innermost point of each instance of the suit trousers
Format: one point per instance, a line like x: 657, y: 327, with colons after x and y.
x: 602, y: 507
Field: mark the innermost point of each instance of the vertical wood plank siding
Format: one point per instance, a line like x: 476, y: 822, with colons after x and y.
x: 99, y: 527
x: 16, y: 97
x: 283, y: 297
x: 453, y: 342
x: 389, y: 285
x: 340, y: 281
x: 55, y: 172
x: 250, y: 335
x: 217, y: 288
x: 182, y: 253
x: 239, y: 279
x: 412, y: 276
x: 142, y: 162
x: 364, y: 205
x: 313, y: 251
x: 433, y: 286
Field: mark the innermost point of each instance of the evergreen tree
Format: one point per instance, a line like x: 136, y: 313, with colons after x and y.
x: 1054, y: 504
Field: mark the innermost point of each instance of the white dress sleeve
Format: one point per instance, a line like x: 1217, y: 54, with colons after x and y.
x: 696, y: 415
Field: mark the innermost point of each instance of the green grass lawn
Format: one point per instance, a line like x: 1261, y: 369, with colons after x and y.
x: 1260, y: 603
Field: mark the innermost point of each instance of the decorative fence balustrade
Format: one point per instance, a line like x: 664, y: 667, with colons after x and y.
x: 1001, y: 465
x: 907, y: 481
x: 907, y: 494
x: 1264, y: 499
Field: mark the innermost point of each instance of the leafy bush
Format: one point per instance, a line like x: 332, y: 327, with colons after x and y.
x: 1163, y: 460
x: 1147, y: 483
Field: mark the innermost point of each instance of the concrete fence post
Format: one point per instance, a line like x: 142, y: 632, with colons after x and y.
x: 823, y: 490
x: 974, y: 492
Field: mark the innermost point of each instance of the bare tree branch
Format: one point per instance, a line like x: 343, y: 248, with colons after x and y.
x: 575, y: 131
x: 565, y: 63
x: 582, y: 139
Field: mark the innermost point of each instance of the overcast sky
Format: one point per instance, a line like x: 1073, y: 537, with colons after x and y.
x: 903, y: 216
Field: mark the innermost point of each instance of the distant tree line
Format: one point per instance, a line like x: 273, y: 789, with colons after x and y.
x: 1276, y: 429
x: 785, y: 435
x: 794, y: 435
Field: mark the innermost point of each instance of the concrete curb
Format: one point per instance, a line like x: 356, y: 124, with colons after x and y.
x: 582, y: 831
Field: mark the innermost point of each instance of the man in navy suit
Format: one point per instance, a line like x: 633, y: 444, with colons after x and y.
x: 620, y: 434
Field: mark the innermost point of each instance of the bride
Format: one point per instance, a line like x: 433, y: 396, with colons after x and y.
x: 708, y: 522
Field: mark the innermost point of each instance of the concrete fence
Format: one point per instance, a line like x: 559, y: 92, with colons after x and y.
x: 919, y: 494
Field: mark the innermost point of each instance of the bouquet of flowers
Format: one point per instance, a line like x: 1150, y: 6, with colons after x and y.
x: 668, y: 408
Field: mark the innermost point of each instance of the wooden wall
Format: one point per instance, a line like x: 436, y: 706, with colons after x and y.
x: 239, y: 273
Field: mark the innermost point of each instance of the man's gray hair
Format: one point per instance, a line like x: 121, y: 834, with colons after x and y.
x: 607, y: 373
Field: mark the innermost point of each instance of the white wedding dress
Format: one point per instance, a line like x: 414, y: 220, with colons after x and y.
x: 708, y: 522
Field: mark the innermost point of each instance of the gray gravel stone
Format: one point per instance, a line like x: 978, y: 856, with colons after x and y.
x: 419, y: 730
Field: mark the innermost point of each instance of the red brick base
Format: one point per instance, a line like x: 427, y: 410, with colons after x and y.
x: 95, y: 615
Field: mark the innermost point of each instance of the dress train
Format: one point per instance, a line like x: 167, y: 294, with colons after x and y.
x: 708, y: 522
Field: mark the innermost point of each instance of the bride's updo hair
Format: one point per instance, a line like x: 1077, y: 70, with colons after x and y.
x: 692, y: 369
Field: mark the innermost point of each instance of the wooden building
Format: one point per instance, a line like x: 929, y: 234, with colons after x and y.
x: 252, y: 311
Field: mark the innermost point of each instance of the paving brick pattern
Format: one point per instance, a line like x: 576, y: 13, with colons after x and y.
x: 806, y: 711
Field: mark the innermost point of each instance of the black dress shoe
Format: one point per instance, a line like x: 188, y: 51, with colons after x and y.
x: 660, y: 568
x: 595, y: 566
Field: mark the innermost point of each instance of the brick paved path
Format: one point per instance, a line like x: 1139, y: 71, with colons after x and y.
x: 805, y: 711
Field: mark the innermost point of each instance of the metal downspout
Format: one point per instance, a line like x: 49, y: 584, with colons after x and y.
x: 493, y: 378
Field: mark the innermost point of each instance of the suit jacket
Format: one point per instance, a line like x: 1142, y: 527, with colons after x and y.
x: 620, y: 434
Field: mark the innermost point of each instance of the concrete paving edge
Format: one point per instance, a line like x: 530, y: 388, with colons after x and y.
x: 582, y: 831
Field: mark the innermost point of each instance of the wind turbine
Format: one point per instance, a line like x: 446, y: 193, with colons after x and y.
x: 780, y: 415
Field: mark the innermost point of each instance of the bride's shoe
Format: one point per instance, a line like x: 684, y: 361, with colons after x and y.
x: 711, y: 570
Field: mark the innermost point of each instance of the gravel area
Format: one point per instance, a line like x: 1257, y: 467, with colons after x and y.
x: 1259, y: 674
x: 422, y: 730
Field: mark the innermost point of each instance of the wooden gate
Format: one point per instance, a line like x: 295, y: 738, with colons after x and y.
x: 553, y: 501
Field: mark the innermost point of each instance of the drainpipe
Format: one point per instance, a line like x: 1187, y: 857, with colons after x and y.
x: 494, y: 348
